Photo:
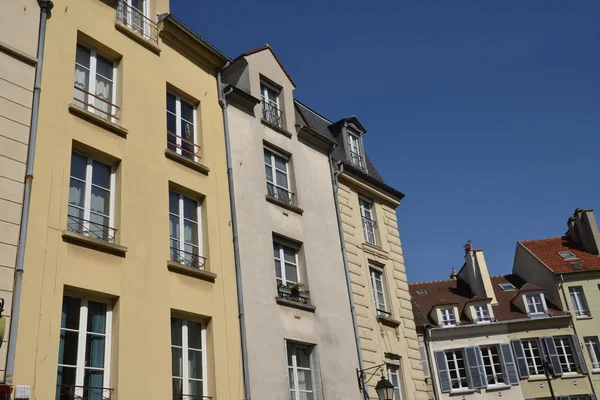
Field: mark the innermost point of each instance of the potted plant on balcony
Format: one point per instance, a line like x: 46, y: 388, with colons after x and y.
x: 299, y: 291
x: 283, y: 290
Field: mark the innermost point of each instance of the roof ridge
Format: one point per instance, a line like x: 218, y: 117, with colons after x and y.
x: 313, y: 111
x: 539, y: 240
x: 438, y: 281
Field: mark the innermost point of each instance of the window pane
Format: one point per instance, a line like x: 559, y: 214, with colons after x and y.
x: 101, y: 174
x: 99, y: 225
x: 67, y: 352
x: 103, y: 99
x: 302, y: 357
x: 280, y: 163
x: 78, y: 165
x: 96, y: 317
x: 195, y: 364
x: 289, y: 255
x: 190, y: 232
x: 304, y: 380
x: 176, y: 325
x: 177, y: 361
x: 278, y: 269
x: 70, y: 313
x: 104, y: 67
x: 267, y: 155
x: 269, y: 173
x: 291, y: 376
x: 195, y: 388
x: 171, y: 103
x: 281, y: 179
x: 194, y: 335
x: 187, y: 111
x: 93, y: 382
x: 76, y: 193
x: 291, y: 273
x: 174, y: 227
x: 177, y: 386
x: 94, y: 351
x: 82, y: 56
x: 173, y: 203
x: 100, y: 201
x: 381, y: 300
x: 190, y: 209
x: 171, y: 132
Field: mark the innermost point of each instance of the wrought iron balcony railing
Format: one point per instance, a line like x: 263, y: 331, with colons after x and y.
x: 384, y: 313
x: 272, y: 114
x: 188, y: 259
x: 279, y: 193
x: 71, y: 392
x: 91, y: 229
x: 190, y: 397
x: 96, y: 104
x: 135, y: 20
x: 357, y: 160
x: 288, y: 293
x: 187, y: 148
x: 369, y: 229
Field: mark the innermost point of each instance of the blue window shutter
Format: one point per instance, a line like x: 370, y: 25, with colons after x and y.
x: 442, y: 369
x: 592, y: 396
x: 552, y: 354
x: 579, y: 354
x: 509, y: 364
x: 520, y: 358
x: 475, y: 369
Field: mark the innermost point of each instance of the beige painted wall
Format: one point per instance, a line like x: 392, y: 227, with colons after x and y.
x: 19, y: 24
x: 141, y: 288
x: 269, y: 324
x: 376, y: 338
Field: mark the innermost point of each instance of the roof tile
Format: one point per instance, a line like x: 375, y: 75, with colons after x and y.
x: 547, y: 251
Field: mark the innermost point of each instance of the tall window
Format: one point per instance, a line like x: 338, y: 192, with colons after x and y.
x: 278, y: 181
x: 591, y: 343
x: 84, y: 350
x: 565, y: 354
x: 394, y: 377
x: 532, y: 355
x: 91, y: 198
x: 188, y: 340
x: 579, y: 303
x: 482, y: 313
x: 299, y: 371
x: 181, y: 123
x: 95, y: 76
x: 185, y: 230
x: 368, y: 222
x: 270, y: 105
x: 535, y: 305
x: 286, y: 264
x: 448, y: 316
x: 355, y: 153
x: 456, y: 368
x: 377, y: 283
x: 493, y: 368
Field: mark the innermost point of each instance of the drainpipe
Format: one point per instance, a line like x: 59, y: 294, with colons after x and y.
x: 234, y: 229
x: 45, y: 8
x: 426, y: 341
x: 361, y: 364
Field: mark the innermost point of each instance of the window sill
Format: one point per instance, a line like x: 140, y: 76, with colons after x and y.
x: 569, y: 375
x: 193, y: 272
x: 187, y: 162
x: 596, y: 371
x: 96, y: 120
x: 583, y: 317
x: 536, y: 378
x: 282, y: 204
x: 374, y: 249
x: 135, y: 36
x: 294, y: 304
x: 95, y: 244
x: 388, y: 321
x: 459, y: 392
x: 493, y: 388
x: 276, y: 128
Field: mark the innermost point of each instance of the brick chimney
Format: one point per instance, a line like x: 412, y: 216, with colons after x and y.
x: 583, y: 230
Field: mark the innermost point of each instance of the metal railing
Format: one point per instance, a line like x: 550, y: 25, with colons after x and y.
x: 187, y: 148
x: 293, y: 295
x: 91, y: 229
x: 190, y: 397
x: 383, y: 313
x: 96, y: 104
x: 272, y: 114
x: 357, y: 160
x: 135, y: 20
x: 279, y: 193
x: 369, y: 229
x: 71, y: 392
x: 188, y: 259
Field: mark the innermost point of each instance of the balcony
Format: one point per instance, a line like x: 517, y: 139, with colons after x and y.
x: 188, y: 259
x: 280, y: 194
x: 91, y: 229
x: 272, y: 114
x: 369, y: 230
x: 357, y: 160
x: 137, y: 22
x: 71, y: 392
x: 190, y: 397
x: 294, y: 293
x: 96, y: 104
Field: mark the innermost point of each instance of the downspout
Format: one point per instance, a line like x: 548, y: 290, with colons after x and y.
x: 426, y: 340
x: 361, y: 365
x: 234, y: 229
x: 45, y: 8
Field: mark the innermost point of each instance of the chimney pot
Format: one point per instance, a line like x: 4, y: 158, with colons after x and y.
x: 453, y: 274
x: 468, y: 247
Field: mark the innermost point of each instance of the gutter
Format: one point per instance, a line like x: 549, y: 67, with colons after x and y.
x: 234, y: 230
x: 45, y: 8
x: 361, y: 364
x: 511, y: 321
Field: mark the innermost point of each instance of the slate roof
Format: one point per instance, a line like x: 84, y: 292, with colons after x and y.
x: 546, y: 250
x: 458, y: 292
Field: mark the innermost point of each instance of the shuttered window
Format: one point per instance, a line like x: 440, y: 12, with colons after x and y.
x: 509, y: 364
x: 456, y: 369
x: 531, y: 349
x: 424, y: 361
x: 578, y: 355
x: 493, y: 369
x: 591, y: 343
x: 552, y: 353
x: 442, y: 370
x: 565, y: 355
x: 475, y: 367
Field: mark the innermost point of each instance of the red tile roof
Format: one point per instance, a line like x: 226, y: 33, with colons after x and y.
x: 547, y: 251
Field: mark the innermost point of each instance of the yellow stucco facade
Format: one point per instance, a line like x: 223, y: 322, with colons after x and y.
x: 133, y: 276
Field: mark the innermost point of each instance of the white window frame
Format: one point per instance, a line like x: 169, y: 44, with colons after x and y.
x: 296, y: 390
x: 182, y: 223
x: 593, y: 346
x: 81, y: 345
x: 488, y: 362
x: 528, y: 349
x: 563, y: 346
x: 264, y: 94
x: 482, y: 313
x: 507, y: 287
x: 541, y: 304
x: 178, y: 118
x: 274, y: 169
x: 373, y: 271
x: 580, y: 306
x: 393, y: 371
x: 445, y: 314
x: 453, y: 365
x: 185, y: 357
x: 567, y: 255
x: 92, y: 81
x: 87, y: 198
x: 366, y: 207
x: 282, y: 262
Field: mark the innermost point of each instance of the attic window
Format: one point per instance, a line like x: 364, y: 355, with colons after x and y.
x: 567, y: 255
x: 355, y: 153
x: 507, y: 286
x: 421, y: 292
x: 576, y: 265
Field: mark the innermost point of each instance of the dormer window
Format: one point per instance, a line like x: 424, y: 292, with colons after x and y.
x: 355, y: 153
x: 535, y: 304
x: 448, y: 316
x: 482, y: 313
x: 270, y: 105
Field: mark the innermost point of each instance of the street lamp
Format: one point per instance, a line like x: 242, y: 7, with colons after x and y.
x: 384, y: 389
x: 549, y: 370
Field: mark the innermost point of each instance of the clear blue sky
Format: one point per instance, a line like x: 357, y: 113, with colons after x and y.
x: 486, y: 114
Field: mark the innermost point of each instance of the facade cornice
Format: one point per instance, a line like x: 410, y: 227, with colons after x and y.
x: 369, y: 187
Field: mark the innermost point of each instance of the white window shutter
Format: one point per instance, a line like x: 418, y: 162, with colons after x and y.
x: 424, y: 361
x: 517, y: 346
x: 475, y: 368
x: 552, y: 354
x: 442, y: 369
x: 579, y: 355
x: 316, y: 372
x: 509, y: 364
